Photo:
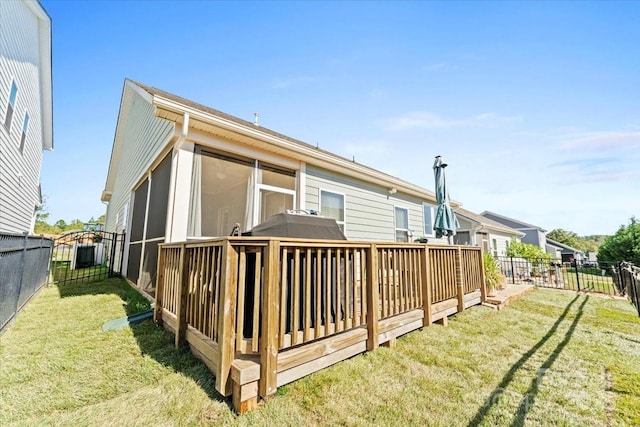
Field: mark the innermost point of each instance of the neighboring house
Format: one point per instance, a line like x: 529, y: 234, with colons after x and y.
x: 180, y: 170
x: 478, y: 230
x: 591, y: 258
x: 533, y: 234
x: 554, y: 251
x: 565, y: 252
x: 26, y: 104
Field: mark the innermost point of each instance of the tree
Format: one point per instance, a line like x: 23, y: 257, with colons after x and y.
x: 41, y: 225
x: 568, y: 238
x: 622, y: 246
x: 582, y: 243
x: 42, y: 215
x: 76, y: 224
x: 526, y: 250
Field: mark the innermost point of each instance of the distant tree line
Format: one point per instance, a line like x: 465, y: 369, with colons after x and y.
x: 622, y: 246
x: 42, y: 225
x: 582, y: 243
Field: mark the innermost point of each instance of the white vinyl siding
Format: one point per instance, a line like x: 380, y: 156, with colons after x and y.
x: 145, y: 136
x: 369, y: 209
x: 21, y: 34
x: 499, y: 243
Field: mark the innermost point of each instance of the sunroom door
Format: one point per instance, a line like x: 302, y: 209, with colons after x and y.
x: 228, y: 189
x: 274, y: 201
x: 276, y: 191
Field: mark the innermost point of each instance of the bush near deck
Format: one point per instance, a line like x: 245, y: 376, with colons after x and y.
x: 551, y: 358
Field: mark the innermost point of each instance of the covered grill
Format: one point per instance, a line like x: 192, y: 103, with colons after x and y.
x: 297, y: 225
x: 303, y: 226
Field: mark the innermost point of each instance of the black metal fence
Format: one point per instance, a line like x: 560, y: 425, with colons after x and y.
x: 86, y: 256
x: 594, y: 277
x: 627, y: 280
x: 24, y: 262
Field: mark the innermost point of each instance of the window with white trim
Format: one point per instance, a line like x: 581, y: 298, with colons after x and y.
x: 11, y: 106
x: 25, y: 126
x: 402, y: 224
x: 427, y: 212
x: 332, y: 206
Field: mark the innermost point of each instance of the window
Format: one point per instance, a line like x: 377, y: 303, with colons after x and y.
x: 11, y: 106
x: 148, y: 225
x: 428, y: 219
x: 276, y: 191
x: 25, y: 125
x: 402, y: 224
x: 227, y: 190
x: 494, y: 243
x: 222, y: 193
x: 332, y: 206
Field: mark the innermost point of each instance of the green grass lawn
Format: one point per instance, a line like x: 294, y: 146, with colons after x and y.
x: 62, y: 272
x: 551, y: 358
x: 589, y: 279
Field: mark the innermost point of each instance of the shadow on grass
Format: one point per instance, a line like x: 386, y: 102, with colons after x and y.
x: 529, y: 396
x: 153, y: 341
x: 132, y: 301
x: 630, y: 339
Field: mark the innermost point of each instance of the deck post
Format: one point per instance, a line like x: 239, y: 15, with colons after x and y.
x: 181, y: 315
x: 270, y: 311
x: 227, y: 316
x: 373, y: 298
x: 157, y: 304
x: 483, y: 285
x: 426, y: 286
x: 459, y: 281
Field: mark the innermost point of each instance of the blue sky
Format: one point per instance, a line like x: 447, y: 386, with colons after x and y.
x: 535, y: 106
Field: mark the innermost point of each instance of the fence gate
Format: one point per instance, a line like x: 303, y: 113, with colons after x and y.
x: 86, y: 256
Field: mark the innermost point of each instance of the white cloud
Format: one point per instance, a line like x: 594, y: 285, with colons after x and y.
x: 428, y: 120
x: 602, y: 140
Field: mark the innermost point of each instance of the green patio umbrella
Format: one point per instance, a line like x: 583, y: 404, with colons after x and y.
x: 446, y: 222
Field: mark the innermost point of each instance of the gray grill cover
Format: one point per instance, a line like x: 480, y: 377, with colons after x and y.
x: 302, y: 226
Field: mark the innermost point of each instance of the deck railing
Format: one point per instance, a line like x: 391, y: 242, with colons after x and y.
x: 279, y: 308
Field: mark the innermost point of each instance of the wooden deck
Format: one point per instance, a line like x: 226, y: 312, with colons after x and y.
x: 262, y: 312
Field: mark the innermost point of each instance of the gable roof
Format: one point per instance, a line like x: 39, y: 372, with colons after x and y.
x: 487, y: 223
x: 178, y: 110
x: 521, y: 224
x: 562, y: 246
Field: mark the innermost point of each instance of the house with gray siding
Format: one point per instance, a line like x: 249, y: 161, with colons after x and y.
x: 532, y: 233
x: 478, y: 230
x: 565, y: 252
x: 183, y: 171
x: 26, y: 105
